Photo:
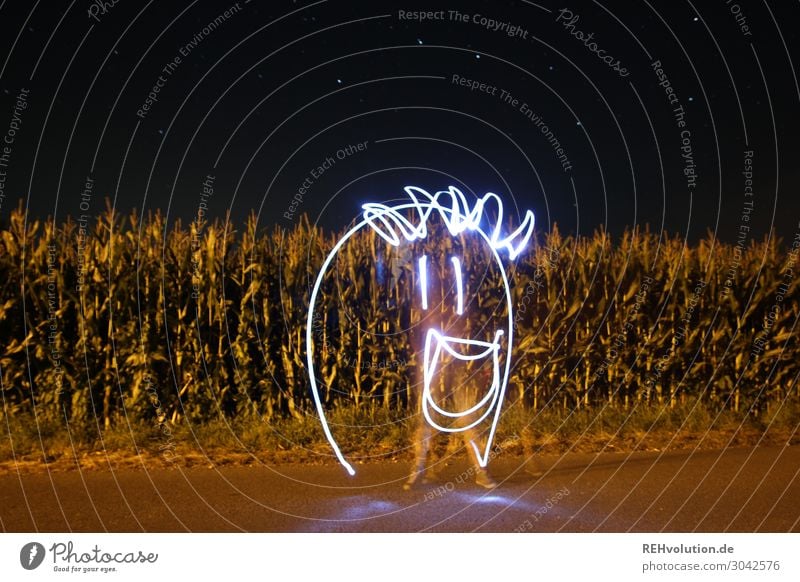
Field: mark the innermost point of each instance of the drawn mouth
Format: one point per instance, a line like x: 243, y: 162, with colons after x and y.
x: 437, y: 347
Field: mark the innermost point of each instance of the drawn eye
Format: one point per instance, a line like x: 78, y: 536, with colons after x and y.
x: 423, y: 280
x: 459, y: 285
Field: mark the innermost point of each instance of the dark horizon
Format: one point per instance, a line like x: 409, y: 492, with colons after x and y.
x: 538, y: 238
x: 311, y: 108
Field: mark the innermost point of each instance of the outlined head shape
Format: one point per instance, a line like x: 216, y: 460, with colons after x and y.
x: 409, y: 221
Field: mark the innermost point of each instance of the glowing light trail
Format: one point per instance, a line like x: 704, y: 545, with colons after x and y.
x: 390, y: 224
x: 459, y: 285
x: 430, y: 361
x: 423, y: 280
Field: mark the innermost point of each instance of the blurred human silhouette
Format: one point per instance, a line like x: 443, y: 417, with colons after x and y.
x: 457, y: 387
x: 460, y: 371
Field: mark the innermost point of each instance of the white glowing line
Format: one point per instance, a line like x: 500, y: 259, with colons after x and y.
x: 310, y: 348
x: 429, y: 371
x: 459, y: 288
x: 423, y: 280
x: 458, y: 217
x: 390, y: 224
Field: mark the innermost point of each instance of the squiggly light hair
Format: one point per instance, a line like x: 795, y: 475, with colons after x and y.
x: 389, y: 222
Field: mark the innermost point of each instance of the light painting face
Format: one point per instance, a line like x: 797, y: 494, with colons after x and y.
x: 452, y: 207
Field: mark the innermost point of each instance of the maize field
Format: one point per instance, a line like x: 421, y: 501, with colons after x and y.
x: 126, y: 319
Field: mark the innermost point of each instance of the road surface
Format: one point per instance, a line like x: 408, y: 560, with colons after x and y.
x: 737, y: 490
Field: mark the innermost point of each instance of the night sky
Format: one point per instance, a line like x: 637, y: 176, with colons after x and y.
x: 588, y: 113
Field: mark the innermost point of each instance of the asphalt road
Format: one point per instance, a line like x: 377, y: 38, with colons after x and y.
x: 744, y: 490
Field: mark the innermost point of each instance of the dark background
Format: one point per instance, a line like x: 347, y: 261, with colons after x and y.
x: 280, y: 86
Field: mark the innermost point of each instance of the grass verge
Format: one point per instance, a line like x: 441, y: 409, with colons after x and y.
x: 377, y: 434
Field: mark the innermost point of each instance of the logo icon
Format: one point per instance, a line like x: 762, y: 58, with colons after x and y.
x: 31, y: 555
